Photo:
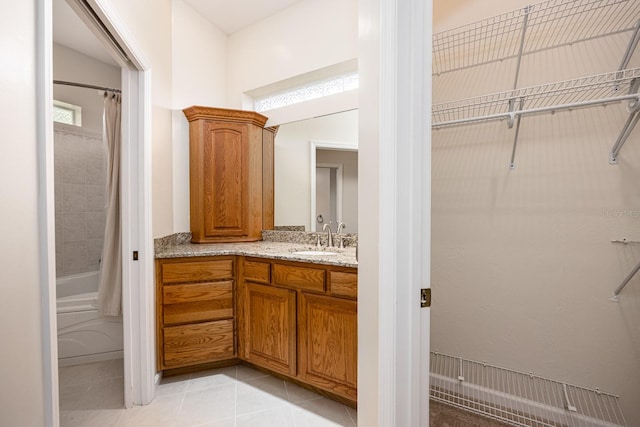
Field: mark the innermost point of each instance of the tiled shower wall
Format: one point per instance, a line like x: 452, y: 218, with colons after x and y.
x: 80, y: 176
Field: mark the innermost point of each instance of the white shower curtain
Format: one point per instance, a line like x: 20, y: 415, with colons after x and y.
x: 110, y: 287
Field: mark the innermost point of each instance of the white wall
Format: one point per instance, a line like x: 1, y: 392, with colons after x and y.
x: 523, y: 264
x: 22, y: 367
x: 449, y: 14
x: 73, y: 66
x: 199, y: 78
x: 307, y: 36
x: 292, y: 162
x: 151, y: 27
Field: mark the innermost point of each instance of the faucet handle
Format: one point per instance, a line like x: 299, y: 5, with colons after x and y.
x: 341, y: 226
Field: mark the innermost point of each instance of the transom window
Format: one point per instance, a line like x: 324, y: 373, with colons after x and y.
x: 307, y: 92
x: 67, y: 113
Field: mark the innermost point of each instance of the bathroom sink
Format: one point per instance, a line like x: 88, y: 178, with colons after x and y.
x: 314, y: 253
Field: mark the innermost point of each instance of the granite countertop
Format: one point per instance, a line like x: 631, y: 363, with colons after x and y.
x: 181, y: 247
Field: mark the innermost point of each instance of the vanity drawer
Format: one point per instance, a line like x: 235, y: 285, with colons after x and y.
x: 200, y: 343
x: 306, y: 278
x: 256, y: 271
x: 343, y: 284
x: 197, y: 271
x: 196, y: 302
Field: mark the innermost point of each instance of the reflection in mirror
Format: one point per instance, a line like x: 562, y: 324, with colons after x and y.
x: 299, y: 146
x: 335, y: 190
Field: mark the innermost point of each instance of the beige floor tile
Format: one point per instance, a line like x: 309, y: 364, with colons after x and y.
x: 90, y: 372
x: 71, y: 396
x: 299, y: 394
x: 229, y: 422
x: 276, y: 417
x: 244, y: 372
x: 208, y: 404
x: 212, y: 378
x: 93, y: 418
x: 353, y: 414
x: 107, y: 394
x: 172, y: 385
x: 163, y: 411
x: 321, y: 413
x: 260, y: 394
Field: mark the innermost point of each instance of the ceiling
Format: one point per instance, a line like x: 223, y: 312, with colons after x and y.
x: 234, y: 15
x: 228, y: 15
x: 70, y: 31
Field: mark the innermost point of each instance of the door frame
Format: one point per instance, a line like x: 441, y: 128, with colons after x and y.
x: 137, y: 282
x: 394, y: 211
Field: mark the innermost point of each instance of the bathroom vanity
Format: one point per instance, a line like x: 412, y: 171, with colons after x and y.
x: 266, y: 304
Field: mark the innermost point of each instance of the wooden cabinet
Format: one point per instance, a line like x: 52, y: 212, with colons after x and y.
x: 300, y: 320
x: 195, y: 311
x: 231, y: 174
x: 328, y: 343
x: 295, y: 319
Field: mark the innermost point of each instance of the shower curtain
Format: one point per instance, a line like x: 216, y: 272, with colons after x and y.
x: 110, y: 287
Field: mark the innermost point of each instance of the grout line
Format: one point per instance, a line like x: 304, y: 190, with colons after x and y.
x: 235, y: 399
x: 355, y: 423
x: 286, y: 390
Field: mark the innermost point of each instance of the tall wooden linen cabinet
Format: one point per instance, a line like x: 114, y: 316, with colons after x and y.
x: 231, y: 174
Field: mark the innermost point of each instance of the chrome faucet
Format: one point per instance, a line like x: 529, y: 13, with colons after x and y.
x: 341, y: 226
x: 327, y: 228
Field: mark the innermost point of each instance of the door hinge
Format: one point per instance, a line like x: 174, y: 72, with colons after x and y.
x: 425, y: 297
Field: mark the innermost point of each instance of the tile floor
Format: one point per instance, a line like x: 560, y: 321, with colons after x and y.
x: 91, y: 395
x: 237, y: 396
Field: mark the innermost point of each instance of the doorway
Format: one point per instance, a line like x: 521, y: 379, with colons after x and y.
x: 328, y: 194
x: 334, y: 185
x: 137, y: 298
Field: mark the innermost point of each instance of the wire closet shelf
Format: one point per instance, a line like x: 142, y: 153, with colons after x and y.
x: 600, y: 89
x: 539, y: 27
x: 519, y: 398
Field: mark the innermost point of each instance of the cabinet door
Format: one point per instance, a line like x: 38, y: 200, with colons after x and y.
x: 225, y: 163
x: 268, y: 327
x: 328, y: 343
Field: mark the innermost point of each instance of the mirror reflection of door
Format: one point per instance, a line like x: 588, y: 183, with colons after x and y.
x: 328, y: 195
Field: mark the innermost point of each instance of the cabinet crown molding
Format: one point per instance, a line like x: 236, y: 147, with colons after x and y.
x: 197, y: 112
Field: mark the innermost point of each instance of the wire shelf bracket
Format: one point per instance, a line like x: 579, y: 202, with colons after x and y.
x: 634, y: 115
x: 634, y: 271
x: 616, y: 293
x: 631, y: 48
x: 512, y: 164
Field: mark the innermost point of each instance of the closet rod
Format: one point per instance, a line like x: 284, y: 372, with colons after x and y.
x: 514, y: 114
x: 62, y: 82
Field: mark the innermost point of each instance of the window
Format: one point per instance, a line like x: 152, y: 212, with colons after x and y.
x: 67, y: 113
x: 307, y: 92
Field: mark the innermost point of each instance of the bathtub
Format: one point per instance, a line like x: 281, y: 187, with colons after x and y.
x: 83, y: 334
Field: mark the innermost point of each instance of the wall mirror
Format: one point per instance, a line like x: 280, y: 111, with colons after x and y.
x: 317, y: 157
